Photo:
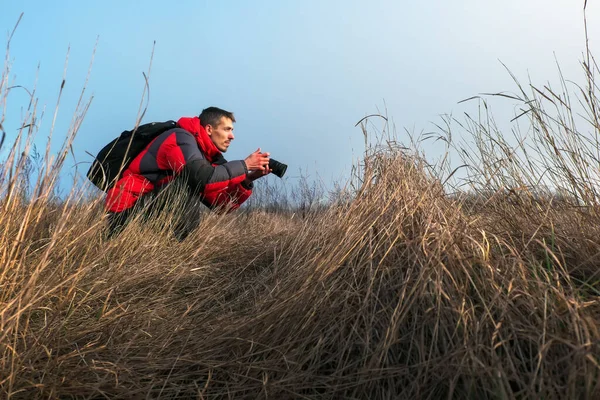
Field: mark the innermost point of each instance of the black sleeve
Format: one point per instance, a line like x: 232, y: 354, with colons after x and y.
x: 199, y: 172
x: 247, y: 184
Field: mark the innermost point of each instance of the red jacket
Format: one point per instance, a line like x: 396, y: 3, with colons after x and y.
x: 189, y: 149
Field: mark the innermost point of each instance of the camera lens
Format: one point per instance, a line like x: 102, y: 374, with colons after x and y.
x: 277, y: 167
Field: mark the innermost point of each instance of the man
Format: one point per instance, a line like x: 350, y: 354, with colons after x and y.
x: 192, y: 154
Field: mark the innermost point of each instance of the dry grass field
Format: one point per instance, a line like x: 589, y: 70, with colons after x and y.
x: 402, y: 289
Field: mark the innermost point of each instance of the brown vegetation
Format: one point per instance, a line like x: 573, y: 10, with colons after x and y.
x: 399, y: 291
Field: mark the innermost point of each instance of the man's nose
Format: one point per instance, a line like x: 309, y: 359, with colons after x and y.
x: 231, y: 136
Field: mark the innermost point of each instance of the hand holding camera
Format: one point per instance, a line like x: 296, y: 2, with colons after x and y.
x: 260, y: 164
x: 257, y: 161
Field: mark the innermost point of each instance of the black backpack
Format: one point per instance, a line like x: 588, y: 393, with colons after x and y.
x: 115, y: 157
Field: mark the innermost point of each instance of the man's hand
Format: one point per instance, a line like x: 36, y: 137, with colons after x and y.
x: 258, y: 161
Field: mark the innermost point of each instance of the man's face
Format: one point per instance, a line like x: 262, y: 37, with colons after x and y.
x: 222, y: 134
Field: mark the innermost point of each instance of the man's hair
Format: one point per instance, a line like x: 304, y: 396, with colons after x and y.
x: 212, y: 116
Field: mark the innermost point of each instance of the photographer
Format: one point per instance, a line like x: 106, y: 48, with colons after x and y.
x: 190, y: 153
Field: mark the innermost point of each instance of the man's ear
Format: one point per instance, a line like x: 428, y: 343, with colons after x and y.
x: 208, y: 128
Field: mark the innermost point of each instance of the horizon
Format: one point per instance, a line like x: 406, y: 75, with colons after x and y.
x: 298, y: 77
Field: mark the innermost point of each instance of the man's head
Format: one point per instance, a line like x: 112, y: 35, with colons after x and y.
x: 218, y: 124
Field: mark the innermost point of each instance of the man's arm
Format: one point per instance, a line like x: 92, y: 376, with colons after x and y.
x: 218, y: 185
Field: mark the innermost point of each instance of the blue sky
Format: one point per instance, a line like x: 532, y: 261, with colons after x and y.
x: 297, y: 74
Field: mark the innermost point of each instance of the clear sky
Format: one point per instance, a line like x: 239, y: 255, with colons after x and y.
x: 297, y: 74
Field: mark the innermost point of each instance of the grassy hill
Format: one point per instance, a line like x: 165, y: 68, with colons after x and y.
x: 401, y: 289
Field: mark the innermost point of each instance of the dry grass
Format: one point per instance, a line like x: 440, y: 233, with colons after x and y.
x: 402, y: 291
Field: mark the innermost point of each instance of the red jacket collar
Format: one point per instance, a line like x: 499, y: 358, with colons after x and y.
x: 193, y: 126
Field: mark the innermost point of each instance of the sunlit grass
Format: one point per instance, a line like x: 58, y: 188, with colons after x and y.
x: 403, y: 287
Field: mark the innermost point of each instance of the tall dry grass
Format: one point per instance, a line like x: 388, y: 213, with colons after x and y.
x: 398, y: 290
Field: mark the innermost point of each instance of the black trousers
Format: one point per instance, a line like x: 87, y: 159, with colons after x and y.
x: 187, y: 211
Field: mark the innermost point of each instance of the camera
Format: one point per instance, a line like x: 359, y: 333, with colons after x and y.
x: 276, y: 167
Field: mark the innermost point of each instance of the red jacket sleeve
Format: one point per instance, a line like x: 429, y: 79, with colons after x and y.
x: 218, y: 185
